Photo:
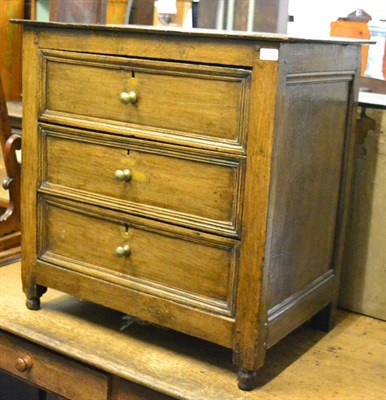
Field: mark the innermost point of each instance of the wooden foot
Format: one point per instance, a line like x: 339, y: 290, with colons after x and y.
x: 246, y: 379
x: 33, y: 296
x: 324, y: 320
x: 33, y: 303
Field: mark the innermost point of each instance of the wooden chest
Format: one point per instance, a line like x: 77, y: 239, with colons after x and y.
x: 198, y: 181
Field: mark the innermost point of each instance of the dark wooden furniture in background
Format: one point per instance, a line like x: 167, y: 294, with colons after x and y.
x: 85, y: 11
x: 10, y: 209
x: 271, y: 16
x: 97, y: 11
x: 10, y: 48
x: 268, y: 15
x: 142, y: 12
x: 215, y: 167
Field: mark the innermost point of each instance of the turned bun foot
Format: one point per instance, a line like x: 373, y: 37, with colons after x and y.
x: 33, y: 304
x: 246, y: 379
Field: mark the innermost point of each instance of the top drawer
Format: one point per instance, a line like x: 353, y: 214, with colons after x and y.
x: 202, y: 105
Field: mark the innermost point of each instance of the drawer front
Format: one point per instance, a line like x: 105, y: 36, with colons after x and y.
x: 184, y: 188
x: 125, y: 390
x: 144, y: 255
x: 197, y: 102
x: 51, y: 371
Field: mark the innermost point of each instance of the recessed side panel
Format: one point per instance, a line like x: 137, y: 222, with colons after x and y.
x: 310, y: 154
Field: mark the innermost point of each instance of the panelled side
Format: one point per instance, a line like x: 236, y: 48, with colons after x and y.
x: 309, y: 172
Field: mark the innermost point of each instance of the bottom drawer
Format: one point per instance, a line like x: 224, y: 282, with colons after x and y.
x: 190, y: 267
x: 51, y: 371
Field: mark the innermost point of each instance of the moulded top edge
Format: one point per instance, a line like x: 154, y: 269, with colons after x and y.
x: 194, y: 32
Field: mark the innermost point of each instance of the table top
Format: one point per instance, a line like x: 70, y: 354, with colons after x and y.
x: 305, y: 363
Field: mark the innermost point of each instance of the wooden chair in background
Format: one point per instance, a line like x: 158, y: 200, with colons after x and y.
x: 9, y: 209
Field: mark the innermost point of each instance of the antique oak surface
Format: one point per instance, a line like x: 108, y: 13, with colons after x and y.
x: 347, y: 363
x: 198, y: 181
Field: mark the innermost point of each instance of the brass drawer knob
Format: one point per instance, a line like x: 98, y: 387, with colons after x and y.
x: 24, y: 363
x: 123, y: 251
x: 122, y: 175
x: 128, y: 98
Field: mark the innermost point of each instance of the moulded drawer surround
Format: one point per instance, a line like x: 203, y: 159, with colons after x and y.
x: 209, y: 103
x: 173, y: 261
x: 164, y: 182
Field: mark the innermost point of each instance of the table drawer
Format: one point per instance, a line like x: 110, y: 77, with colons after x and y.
x: 187, y: 188
x: 125, y: 390
x: 192, y: 101
x: 143, y: 255
x: 50, y: 371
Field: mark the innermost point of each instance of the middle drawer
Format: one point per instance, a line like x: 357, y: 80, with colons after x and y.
x: 178, y: 186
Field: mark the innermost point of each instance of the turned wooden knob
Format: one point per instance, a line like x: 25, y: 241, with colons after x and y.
x: 24, y: 363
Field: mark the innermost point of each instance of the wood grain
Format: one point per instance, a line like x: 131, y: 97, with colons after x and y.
x: 142, y: 12
x: 30, y: 146
x: 285, y: 119
x: 172, y: 190
x: 347, y: 363
x: 124, y: 390
x: 206, y: 101
x: 336, y: 85
x: 345, y: 198
x: 318, y: 58
x: 296, y: 309
x: 9, y: 143
x: 11, y: 48
x: 52, y: 372
x: 208, y: 33
x: 170, y: 260
x: 251, y: 315
x: 86, y: 11
x: 307, y: 189
x: 154, y: 309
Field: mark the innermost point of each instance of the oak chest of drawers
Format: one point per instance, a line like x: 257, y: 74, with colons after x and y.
x: 198, y: 181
